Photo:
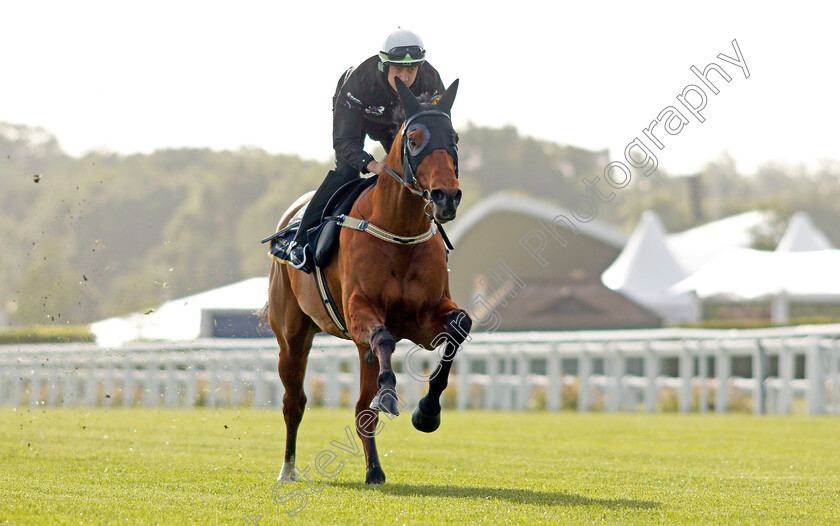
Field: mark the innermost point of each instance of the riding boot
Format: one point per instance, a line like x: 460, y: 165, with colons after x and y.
x: 312, y: 215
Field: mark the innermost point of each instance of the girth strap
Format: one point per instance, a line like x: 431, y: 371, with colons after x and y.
x: 329, y: 303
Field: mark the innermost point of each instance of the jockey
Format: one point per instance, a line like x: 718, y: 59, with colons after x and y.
x: 363, y: 105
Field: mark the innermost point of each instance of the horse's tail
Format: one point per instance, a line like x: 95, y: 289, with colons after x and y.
x: 262, y: 316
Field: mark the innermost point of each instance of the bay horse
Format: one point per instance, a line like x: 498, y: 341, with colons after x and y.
x: 387, y: 291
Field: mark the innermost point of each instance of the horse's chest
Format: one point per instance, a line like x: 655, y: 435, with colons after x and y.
x: 408, y: 293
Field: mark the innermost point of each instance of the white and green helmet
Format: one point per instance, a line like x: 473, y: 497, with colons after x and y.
x: 402, y: 48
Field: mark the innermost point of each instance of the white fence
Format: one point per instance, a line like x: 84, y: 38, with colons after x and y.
x: 775, y: 370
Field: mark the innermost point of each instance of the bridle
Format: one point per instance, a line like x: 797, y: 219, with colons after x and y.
x: 412, y: 157
x: 428, y: 121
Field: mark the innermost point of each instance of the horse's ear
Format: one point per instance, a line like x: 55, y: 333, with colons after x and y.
x: 448, y: 97
x: 409, y: 102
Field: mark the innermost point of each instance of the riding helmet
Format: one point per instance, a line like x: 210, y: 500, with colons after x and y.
x: 402, y: 48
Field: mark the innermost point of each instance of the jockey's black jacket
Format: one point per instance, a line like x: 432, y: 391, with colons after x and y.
x: 364, y: 104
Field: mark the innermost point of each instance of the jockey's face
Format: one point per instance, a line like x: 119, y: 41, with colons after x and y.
x: 407, y: 74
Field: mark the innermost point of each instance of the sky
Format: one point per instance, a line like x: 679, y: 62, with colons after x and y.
x: 133, y: 77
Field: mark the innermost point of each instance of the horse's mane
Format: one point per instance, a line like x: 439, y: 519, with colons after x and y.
x: 399, y: 111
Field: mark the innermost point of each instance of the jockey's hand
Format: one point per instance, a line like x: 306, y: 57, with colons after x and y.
x: 376, y: 167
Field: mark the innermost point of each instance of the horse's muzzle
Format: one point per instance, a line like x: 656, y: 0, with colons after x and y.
x: 446, y: 204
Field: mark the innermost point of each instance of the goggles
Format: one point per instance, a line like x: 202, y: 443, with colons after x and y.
x: 402, y: 53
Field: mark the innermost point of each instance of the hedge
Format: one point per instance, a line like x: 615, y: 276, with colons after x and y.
x: 46, y: 334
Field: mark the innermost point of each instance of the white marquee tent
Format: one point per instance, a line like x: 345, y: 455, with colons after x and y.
x: 646, y: 269
x: 802, y: 236
x: 671, y: 274
x: 749, y: 274
x: 180, y: 319
x: 782, y: 277
x: 695, y: 247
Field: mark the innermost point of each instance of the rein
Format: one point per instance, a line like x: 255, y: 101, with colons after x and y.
x: 423, y: 194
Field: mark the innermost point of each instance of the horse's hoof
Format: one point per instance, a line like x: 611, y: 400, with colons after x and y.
x: 424, y: 422
x: 386, y: 402
x: 288, y: 473
x: 375, y: 475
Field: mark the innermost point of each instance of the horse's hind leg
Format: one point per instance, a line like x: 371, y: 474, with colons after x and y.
x: 294, y: 333
x: 292, y: 368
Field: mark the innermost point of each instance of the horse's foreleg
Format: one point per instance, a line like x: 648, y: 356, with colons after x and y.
x: 367, y: 420
x: 366, y: 325
x: 383, y: 343
x: 426, y: 416
x: 378, y: 384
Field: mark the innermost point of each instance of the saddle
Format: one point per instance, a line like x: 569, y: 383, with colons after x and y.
x: 322, y: 239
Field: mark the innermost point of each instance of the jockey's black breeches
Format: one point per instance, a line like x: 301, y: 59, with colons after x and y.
x: 343, y: 174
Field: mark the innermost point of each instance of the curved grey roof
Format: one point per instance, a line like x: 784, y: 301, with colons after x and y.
x: 510, y: 202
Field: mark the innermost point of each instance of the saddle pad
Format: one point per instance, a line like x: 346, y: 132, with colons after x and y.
x: 281, y: 241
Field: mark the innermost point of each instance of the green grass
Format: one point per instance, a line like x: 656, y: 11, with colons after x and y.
x: 157, y: 466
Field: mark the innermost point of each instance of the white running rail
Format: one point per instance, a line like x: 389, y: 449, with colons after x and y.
x: 778, y: 370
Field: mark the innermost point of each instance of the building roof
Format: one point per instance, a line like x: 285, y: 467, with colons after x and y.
x: 511, y: 202
x: 508, y: 234
x: 571, y: 305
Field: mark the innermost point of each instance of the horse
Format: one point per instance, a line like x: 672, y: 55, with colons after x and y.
x: 387, y: 291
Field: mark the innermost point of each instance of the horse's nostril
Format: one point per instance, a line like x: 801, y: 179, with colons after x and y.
x: 457, y: 197
x: 438, y: 196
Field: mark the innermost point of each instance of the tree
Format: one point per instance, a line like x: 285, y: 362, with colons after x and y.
x: 51, y: 290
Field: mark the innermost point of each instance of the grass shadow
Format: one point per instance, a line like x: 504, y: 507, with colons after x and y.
x: 520, y: 496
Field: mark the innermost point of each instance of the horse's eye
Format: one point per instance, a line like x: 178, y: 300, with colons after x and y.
x: 412, y: 143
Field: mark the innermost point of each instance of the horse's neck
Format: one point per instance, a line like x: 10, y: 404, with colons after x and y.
x: 394, y: 208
